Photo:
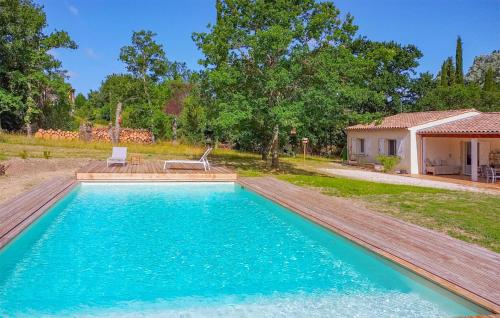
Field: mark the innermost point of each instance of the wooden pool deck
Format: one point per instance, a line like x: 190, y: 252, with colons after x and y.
x: 469, y: 270
x: 152, y: 170
x: 18, y: 213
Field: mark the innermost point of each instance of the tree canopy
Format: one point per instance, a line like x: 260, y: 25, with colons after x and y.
x: 32, y: 82
x: 272, y: 73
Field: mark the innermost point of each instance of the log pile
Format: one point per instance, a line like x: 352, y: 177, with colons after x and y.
x: 56, y: 134
x: 3, y: 168
x: 127, y: 135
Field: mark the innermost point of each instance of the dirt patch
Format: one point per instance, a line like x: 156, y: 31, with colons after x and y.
x: 23, y: 174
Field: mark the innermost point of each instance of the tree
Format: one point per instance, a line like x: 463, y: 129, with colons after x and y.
x: 31, y: 79
x: 459, y: 68
x: 489, y: 82
x: 145, y: 60
x: 443, y: 75
x: 254, y: 57
x: 392, y: 66
x: 450, y: 71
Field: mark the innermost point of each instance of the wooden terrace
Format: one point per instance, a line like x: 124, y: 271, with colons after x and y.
x: 152, y: 170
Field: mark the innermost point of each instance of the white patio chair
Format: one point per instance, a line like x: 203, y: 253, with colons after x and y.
x: 119, y: 155
x: 491, y: 175
x: 203, y: 162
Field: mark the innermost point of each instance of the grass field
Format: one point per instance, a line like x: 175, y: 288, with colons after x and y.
x: 471, y: 217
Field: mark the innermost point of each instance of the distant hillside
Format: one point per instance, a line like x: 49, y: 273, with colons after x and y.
x: 481, y: 65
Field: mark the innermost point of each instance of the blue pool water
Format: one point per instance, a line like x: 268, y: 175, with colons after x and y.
x: 200, y: 250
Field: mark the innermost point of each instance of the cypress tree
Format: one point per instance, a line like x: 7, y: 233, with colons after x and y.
x: 459, y: 64
x: 489, y: 82
x: 450, y: 71
x: 444, y: 74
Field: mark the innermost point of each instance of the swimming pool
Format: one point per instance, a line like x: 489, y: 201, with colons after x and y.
x: 200, y: 249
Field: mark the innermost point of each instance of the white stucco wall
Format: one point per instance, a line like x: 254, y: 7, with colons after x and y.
x: 372, y: 138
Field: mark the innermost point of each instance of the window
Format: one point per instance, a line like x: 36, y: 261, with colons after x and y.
x: 392, y: 150
x: 361, y: 146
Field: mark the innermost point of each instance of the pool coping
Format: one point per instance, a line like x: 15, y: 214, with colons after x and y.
x: 65, y: 185
x: 371, y: 246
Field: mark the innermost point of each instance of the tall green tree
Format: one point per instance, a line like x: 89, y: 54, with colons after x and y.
x: 489, y: 82
x: 450, y: 71
x: 459, y: 67
x: 443, y: 74
x: 145, y: 59
x: 31, y: 79
x: 254, y: 59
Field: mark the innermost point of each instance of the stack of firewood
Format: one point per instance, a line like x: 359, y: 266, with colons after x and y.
x: 56, y: 134
x: 127, y: 135
x: 140, y: 136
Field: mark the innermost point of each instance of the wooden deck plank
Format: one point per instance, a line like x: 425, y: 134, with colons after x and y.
x: 20, y: 212
x: 466, y: 269
x: 152, y: 170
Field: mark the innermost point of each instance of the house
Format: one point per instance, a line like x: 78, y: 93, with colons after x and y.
x: 437, y: 142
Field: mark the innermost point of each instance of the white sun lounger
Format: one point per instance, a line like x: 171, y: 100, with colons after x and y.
x: 203, y: 162
x: 119, y: 155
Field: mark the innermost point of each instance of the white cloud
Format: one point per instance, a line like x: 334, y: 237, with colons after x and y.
x: 90, y: 53
x: 73, y: 9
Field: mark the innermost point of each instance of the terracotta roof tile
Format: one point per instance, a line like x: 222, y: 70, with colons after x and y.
x: 407, y: 120
x: 485, y: 123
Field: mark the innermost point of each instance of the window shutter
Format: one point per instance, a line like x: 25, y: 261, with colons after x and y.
x: 367, y: 145
x: 381, y: 146
x: 399, y: 148
x: 351, y: 141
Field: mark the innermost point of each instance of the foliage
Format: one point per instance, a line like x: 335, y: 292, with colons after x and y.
x: 389, y: 162
x: 271, y: 67
x: 482, y: 63
x: 459, y: 67
x: 489, y: 82
x: 32, y: 87
x: 23, y: 154
x: 460, y: 97
x: 453, y: 93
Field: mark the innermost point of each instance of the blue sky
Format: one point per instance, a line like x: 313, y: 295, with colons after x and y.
x: 101, y: 28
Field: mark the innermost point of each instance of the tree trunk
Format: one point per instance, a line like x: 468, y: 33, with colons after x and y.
x: 29, y: 131
x: 114, y: 132
x: 275, y: 148
x: 174, y: 130
x: 264, y: 153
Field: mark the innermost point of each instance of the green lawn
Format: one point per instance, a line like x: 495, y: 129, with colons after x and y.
x: 472, y: 217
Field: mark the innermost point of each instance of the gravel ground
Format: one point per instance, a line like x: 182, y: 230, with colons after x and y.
x: 23, y: 174
x: 395, y: 179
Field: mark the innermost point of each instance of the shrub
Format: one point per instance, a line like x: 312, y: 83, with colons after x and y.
x: 389, y: 162
x: 23, y: 154
x: 46, y: 154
